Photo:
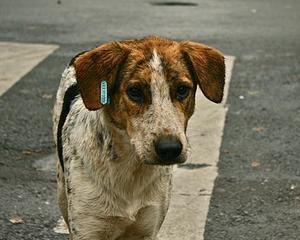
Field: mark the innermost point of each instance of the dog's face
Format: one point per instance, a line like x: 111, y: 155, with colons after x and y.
x: 152, y: 84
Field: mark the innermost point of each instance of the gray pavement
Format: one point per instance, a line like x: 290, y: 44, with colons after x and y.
x: 257, y: 193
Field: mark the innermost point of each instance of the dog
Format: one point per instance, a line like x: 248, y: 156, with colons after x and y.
x: 114, y: 164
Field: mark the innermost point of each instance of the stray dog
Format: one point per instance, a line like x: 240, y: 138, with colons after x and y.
x: 116, y: 144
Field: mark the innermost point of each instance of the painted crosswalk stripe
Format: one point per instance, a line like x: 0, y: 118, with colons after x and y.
x: 17, y: 59
x: 193, y: 183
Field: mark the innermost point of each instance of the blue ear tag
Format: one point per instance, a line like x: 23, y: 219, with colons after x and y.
x: 104, y: 99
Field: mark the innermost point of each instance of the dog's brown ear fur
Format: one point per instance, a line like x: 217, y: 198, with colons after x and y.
x: 94, y: 66
x: 207, y: 68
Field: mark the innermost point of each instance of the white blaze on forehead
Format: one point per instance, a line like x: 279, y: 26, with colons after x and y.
x: 162, y: 108
x: 155, y: 62
x: 159, y: 86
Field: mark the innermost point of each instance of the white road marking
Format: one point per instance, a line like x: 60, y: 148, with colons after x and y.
x: 17, y: 59
x: 192, y: 188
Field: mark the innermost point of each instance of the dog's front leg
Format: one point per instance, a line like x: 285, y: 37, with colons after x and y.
x: 92, y: 228
x: 86, y: 223
x: 138, y: 238
x: 90, y: 210
x: 147, y: 224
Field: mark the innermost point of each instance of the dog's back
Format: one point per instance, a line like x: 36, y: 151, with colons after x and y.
x: 68, y: 79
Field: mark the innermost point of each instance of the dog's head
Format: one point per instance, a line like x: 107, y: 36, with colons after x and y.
x: 151, y: 85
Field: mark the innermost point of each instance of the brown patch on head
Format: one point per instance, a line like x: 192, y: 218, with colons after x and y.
x: 135, y: 74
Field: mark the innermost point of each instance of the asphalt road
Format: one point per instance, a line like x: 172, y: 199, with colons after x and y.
x: 257, y: 193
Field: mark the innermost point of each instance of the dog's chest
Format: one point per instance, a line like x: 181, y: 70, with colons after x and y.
x: 133, y: 207
x: 149, y: 196
x: 134, y: 203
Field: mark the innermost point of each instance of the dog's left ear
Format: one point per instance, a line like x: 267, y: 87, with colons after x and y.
x: 99, y: 64
x: 207, y: 67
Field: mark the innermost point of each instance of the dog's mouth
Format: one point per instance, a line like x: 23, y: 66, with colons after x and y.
x: 166, y: 162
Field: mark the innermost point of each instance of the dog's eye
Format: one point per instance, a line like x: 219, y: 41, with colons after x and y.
x: 135, y: 94
x: 182, y: 92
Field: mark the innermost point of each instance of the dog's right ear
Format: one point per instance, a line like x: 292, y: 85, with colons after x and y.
x: 99, y: 64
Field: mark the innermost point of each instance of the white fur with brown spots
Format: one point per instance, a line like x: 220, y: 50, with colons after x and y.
x: 113, y: 187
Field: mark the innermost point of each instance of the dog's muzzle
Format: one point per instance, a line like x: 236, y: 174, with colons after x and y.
x: 168, y: 151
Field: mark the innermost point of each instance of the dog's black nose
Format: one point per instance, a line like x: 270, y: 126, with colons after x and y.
x: 168, y: 149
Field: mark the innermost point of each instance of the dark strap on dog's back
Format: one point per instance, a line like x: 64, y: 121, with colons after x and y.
x: 69, y: 96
